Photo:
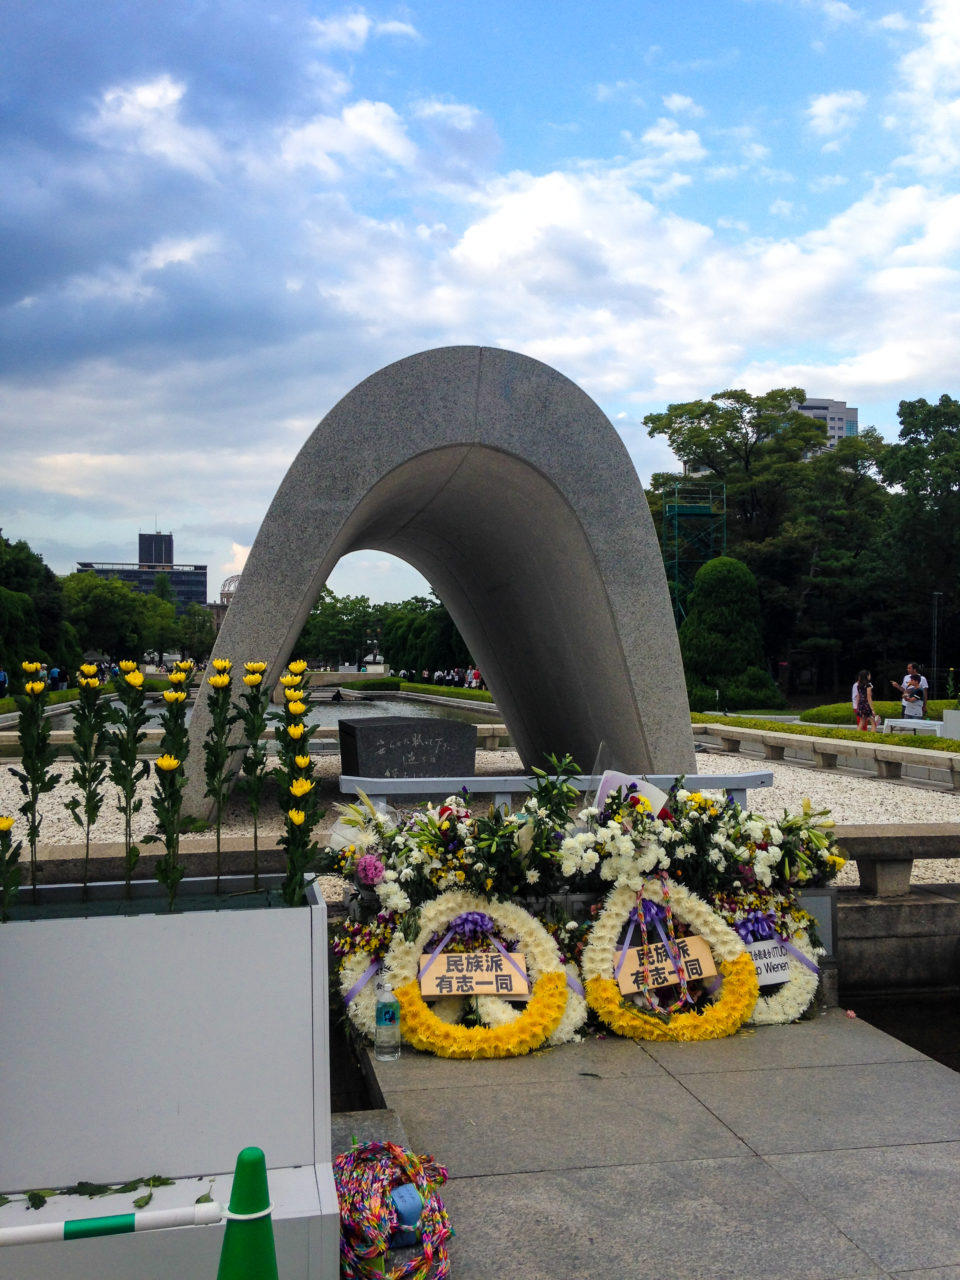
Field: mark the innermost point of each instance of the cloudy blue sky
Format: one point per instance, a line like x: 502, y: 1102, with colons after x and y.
x: 219, y: 216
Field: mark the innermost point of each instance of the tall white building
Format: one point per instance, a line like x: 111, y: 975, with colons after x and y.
x: 841, y: 419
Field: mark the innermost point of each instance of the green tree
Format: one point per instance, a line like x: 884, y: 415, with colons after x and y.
x: 721, y: 640
x: 748, y: 442
x: 161, y: 631
x: 105, y: 613
x: 924, y: 466
x: 197, y: 632
x: 31, y: 610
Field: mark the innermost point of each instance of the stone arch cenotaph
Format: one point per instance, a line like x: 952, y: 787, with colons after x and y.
x: 505, y: 485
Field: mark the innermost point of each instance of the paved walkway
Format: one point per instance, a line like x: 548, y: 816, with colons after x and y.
x: 824, y: 1151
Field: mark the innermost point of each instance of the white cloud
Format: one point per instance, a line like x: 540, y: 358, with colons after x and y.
x: 674, y: 145
x: 238, y: 559
x: 835, y: 113
x: 781, y: 208
x: 628, y: 89
x: 828, y: 181
x: 893, y: 22
x: 838, y: 12
x: 927, y: 107
x: 362, y: 131
x: 144, y: 119
x: 350, y: 31
x: 679, y: 102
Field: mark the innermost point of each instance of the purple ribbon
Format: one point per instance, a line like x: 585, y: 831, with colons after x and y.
x: 362, y: 982
x: 798, y: 954
x: 575, y: 986
x: 756, y: 927
x: 654, y: 913
x: 506, y: 954
x: 449, y: 934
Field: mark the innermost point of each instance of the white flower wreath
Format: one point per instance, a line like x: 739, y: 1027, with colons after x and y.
x: 794, y: 996
x: 362, y: 1009
x: 402, y: 964
x: 738, y: 993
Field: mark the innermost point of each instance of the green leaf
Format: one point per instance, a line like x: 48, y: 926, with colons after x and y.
x: 141, y: 1202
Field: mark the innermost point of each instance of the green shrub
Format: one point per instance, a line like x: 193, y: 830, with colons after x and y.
x: 928, y: 742
x: 445, y: 691
x: 391, y: 683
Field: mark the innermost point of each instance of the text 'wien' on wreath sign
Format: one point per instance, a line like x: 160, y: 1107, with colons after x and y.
x: 772, y: 962
x: 474, y: 973
x: 695, y: 959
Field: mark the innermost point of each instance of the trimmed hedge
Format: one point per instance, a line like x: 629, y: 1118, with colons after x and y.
x: 446, y: 691
x: 391, y: 683
x: 842, y: 712
x: 853, y: 735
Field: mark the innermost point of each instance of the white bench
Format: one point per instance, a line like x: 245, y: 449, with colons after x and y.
x: 912, y: 725
x: 504, y: 786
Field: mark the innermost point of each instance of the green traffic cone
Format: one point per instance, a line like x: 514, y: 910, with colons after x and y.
x: 248, y: 1251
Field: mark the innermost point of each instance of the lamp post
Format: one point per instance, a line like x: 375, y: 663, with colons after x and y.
x: 935, y: 643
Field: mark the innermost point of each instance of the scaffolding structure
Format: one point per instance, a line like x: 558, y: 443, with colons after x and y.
x: 694, y: 531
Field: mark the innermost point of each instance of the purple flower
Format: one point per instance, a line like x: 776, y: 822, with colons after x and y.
x: 369, y: 870
x: 472, y: 925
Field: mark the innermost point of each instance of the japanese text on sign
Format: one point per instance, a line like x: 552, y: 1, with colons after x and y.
x: 474, y: 973
x: 695, y: 961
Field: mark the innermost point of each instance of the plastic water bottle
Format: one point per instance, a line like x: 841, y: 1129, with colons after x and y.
x: 386, y: 1044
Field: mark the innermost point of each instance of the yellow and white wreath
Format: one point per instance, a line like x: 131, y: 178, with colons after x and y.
x: 738, y: 994
x: 432, y: 1031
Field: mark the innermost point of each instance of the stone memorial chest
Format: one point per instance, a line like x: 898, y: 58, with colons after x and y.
x: 407, y: 747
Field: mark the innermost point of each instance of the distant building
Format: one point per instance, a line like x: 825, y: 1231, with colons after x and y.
x: 840, y: 418
x: 188, y: 582
x: 156, y: 548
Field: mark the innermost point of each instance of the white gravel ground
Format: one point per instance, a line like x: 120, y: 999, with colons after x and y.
x: 849, y: 799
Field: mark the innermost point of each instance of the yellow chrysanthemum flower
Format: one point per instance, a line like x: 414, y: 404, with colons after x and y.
x: 222, y: 664
x: 300, y: 786
x: 30, y: 668
x: 302, y: 762
x: 298, y: 667
x: 185, y: 664
x: 127, y: 666
x: 297, y: 817
x: 174, y: 695
x: 134, y: 679
x: 255, y: 668
x: 168, y: 763
x: 89, y: 683
x: 178, y: 677
x: 219, y: 680
x: 293, y: 693
x: 252, y: 679
x: 289, y: 681
x: 36, y: 687
x: 295, y: 731
x: 88, y: 669
x: 296, y: 708
x: 6, y: 824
